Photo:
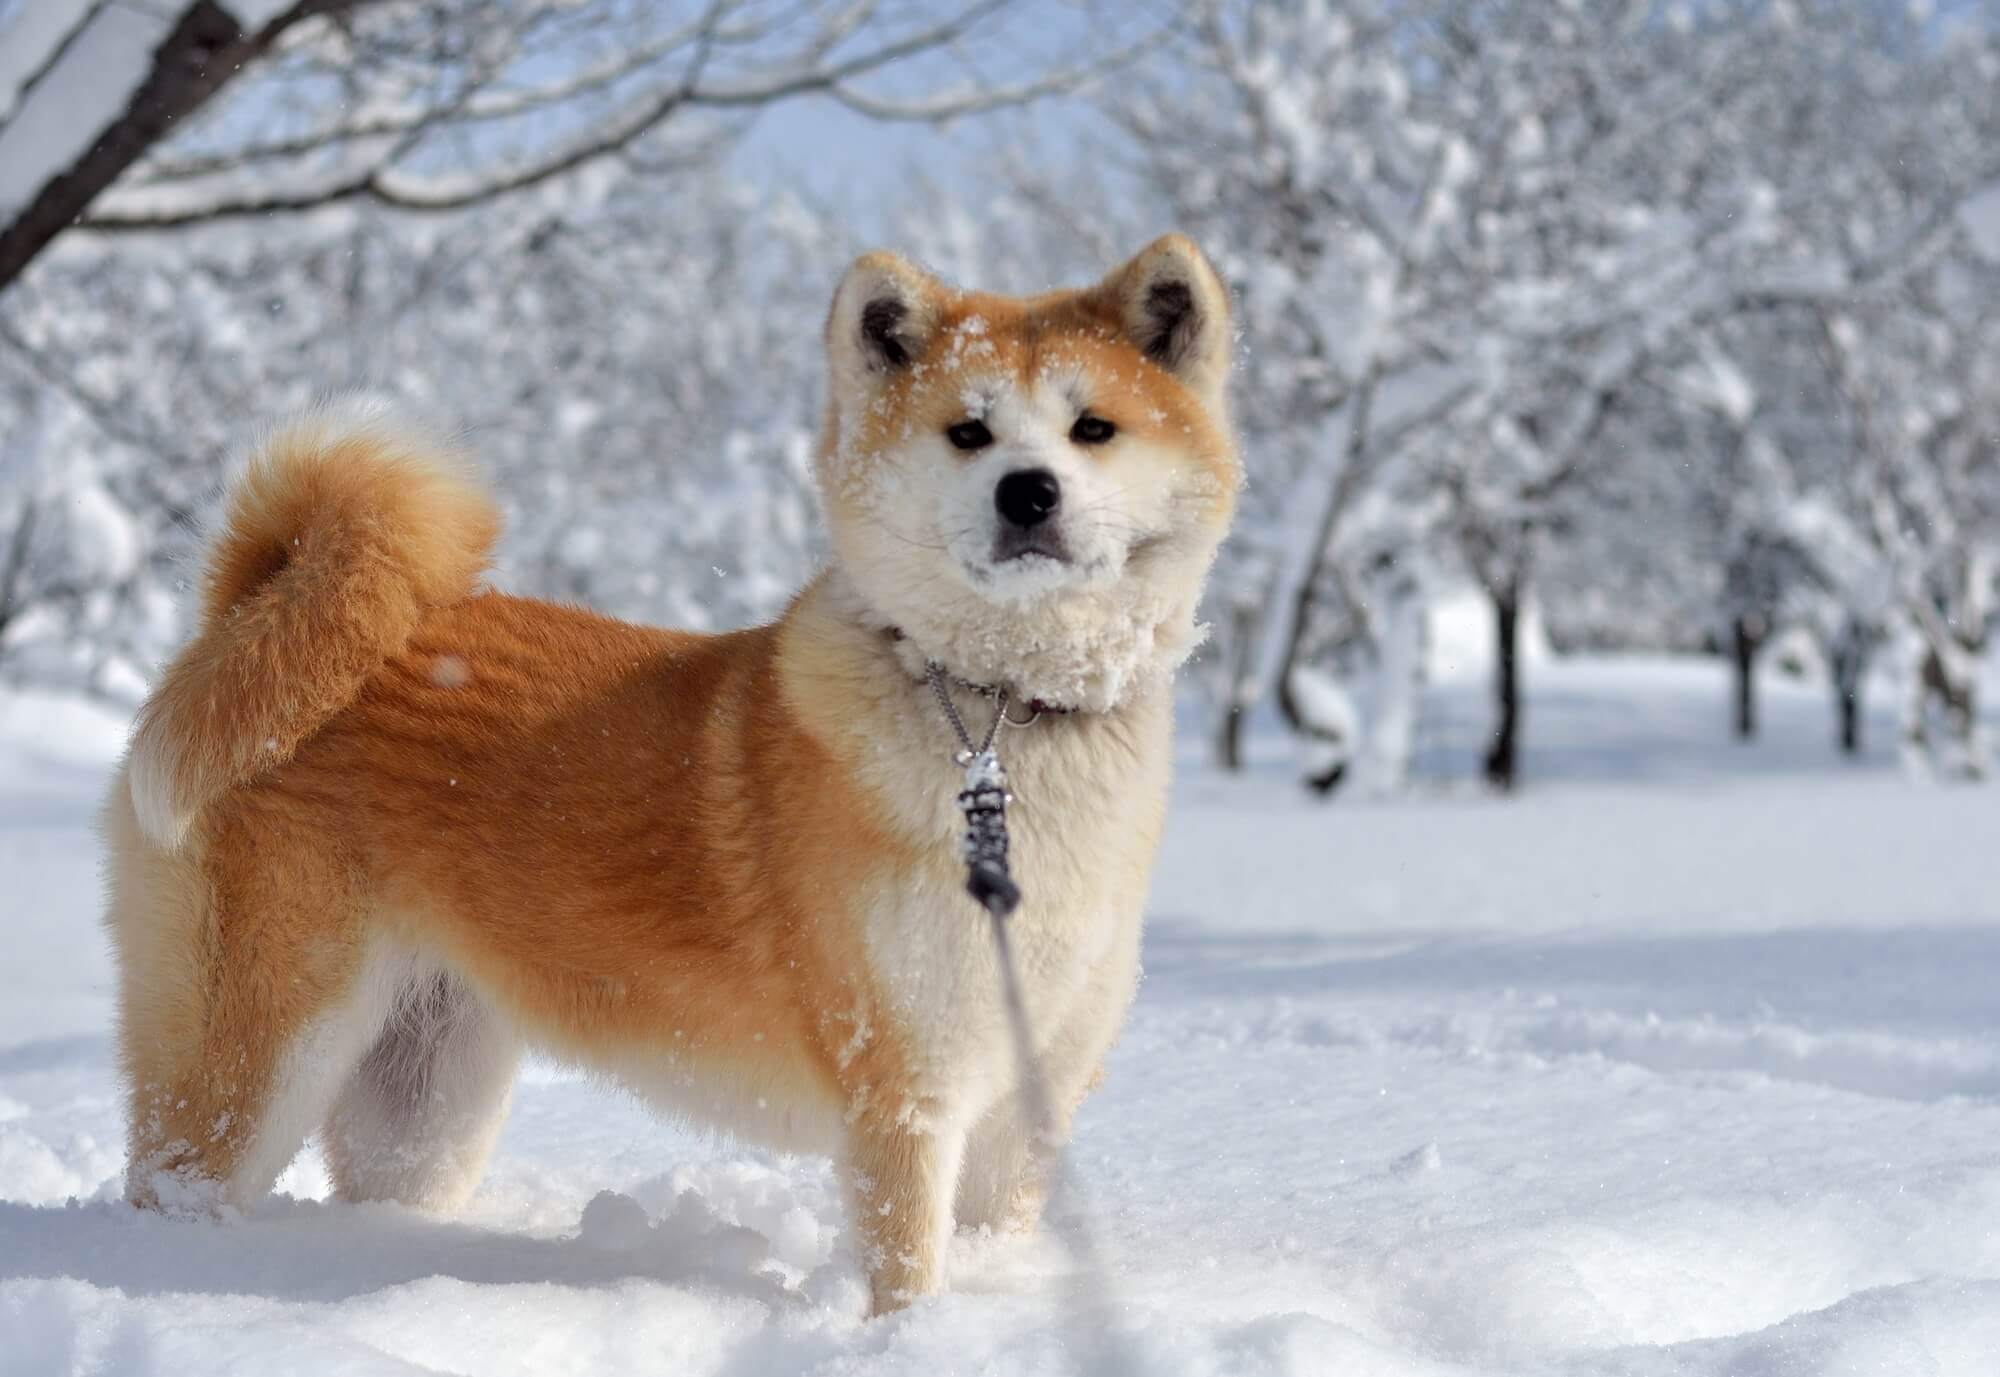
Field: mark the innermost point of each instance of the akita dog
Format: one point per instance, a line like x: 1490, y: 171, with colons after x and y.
x: 378, y: 829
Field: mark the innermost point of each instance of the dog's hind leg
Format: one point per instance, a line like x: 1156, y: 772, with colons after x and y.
x: 418, y: 1118
x: 247, y: 992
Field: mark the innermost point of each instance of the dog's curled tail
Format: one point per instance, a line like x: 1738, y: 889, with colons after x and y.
x: 342, y: 529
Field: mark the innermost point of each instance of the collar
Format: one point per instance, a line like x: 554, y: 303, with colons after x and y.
x: 1037, y: 707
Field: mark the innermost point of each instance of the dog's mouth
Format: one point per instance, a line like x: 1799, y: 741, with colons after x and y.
x: 1020, y: 562
x: 1039, y: 559
x: 1036, y: 542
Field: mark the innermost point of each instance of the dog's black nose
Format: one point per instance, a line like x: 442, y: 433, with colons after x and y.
x: 1027, y: 496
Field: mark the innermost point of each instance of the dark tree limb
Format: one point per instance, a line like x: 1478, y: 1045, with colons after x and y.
x: 198, y: 57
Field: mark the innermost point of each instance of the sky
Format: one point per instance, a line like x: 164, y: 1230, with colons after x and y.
x: 834, y: 154
x: 852, y: 164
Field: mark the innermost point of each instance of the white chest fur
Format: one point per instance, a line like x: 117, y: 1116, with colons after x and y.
x: 1088, y: 791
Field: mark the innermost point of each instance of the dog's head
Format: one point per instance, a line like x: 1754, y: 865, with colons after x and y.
x: 1032, y: 489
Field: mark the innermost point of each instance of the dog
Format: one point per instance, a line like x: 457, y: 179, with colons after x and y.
x: 380, y: 828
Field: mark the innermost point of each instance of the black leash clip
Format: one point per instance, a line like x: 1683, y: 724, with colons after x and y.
x: 984, y: 800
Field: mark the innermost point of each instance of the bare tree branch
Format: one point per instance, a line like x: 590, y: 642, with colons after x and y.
x: 378, y: 182
x: 203, y: 52
x: 411, y: 87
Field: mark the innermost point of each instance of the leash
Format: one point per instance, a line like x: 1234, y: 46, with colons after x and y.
x: 990, y: 882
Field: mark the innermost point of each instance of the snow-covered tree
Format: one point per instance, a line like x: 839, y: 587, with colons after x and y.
x: 1483, y: 252
x: 641, y: 386
x: 1894, y: 117
x: 1456, y: 230
x: 1675, y: 322
x: 1284, y: 136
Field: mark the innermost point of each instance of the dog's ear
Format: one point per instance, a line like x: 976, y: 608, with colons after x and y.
x: 884, y: 313
x: 1175, y: 308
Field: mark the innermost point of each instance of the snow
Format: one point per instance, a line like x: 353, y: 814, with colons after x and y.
x: 1461, y: 638
x: 255, y: 14
x: 1682, y: 1062
x: 104, y: 532
x: 1981, y: 217
x: 1326, y: 707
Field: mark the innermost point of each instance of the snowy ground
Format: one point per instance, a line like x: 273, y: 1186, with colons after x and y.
x: 1685, y: 1062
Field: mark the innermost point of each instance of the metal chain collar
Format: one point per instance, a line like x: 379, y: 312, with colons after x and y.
x: 934, y: 672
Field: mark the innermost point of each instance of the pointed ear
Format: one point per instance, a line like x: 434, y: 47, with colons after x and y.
x: 1176, y: 310
x: 884, y: 312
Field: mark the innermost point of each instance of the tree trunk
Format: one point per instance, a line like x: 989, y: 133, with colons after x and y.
x: 1241, y: 686
x: 1320, y: 554
x: 13, y: 572
x: 1848, y: 660
x: 1951, y: 681
x: 1963, y: 717
x: 1229, y: 740
x: 1747, y: 640
x: 1501, y: 756
x: 1324, y: 782
x: 1403, y: 637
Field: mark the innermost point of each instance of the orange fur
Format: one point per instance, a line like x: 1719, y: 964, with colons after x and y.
x: 363, y: 788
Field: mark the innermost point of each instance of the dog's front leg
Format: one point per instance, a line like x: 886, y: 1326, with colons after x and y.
x: 1009, y: 1163
x: 902, y: 1170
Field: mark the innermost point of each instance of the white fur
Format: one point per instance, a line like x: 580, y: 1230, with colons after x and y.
x: 769, y: 1105
x: 918, y: 547
x: 1089, y: 799
x: 418, y: 1118
x: 310, y: 1073
x: 157, y: 776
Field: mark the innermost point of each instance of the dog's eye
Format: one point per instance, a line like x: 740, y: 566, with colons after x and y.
x: 1091, y: 430
x: 969, y: 435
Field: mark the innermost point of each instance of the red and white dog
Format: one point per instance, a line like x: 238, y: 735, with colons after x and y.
x: 379, y: 828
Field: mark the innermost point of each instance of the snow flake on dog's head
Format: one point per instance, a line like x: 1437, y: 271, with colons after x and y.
x: 1032, y: 489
